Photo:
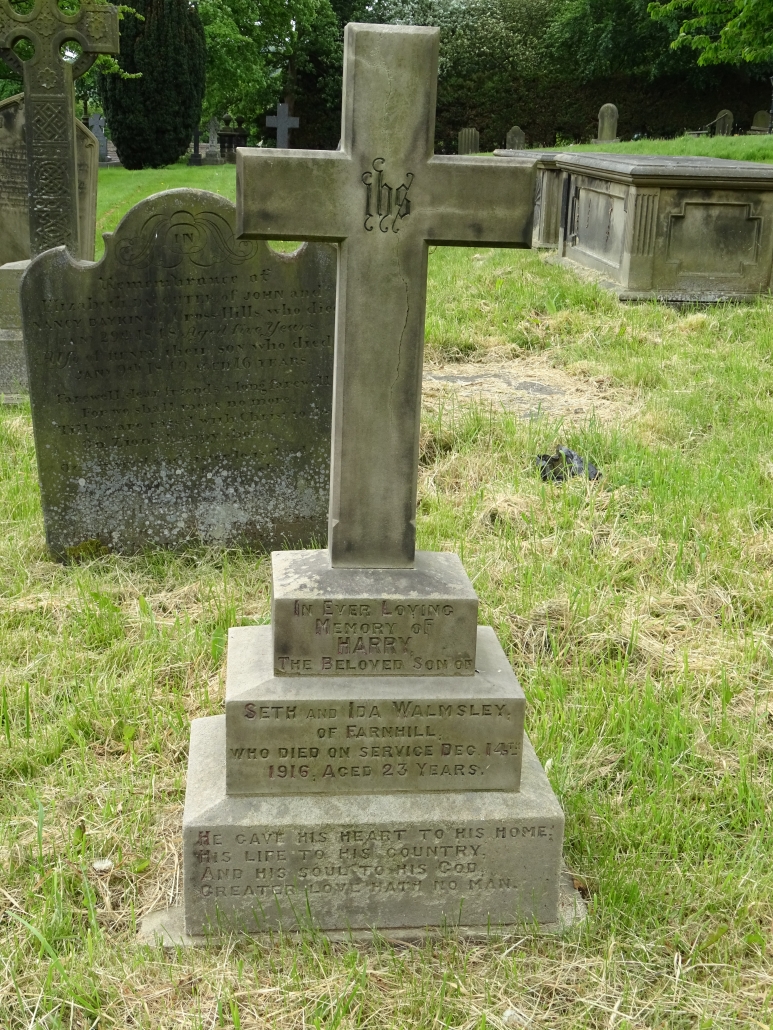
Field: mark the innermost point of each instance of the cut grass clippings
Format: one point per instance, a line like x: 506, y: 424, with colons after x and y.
x: 636, y: 611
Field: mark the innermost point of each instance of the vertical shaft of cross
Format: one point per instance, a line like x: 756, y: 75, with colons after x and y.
x: 49, y: 106
x: 383, y: 196
x: 380, y: 320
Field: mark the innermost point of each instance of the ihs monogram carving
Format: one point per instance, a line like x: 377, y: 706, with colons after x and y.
x: 389, y: 202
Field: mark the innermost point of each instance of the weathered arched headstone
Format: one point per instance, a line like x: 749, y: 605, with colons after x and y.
x: 469, y: 141
x: 181, y: 387
x: 607, y: 131
x: 723, y: 125
x: 516, y: 138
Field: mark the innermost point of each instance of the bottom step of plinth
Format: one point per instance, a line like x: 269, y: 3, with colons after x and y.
x: 356, y: 862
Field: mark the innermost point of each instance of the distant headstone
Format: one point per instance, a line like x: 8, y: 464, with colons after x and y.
x: 607, y: 131
x: 723, y: 124
x: 97, y: 126
x: 14, y: 201
x: 469, y: 141
x: 282, y: 122
x: 181, y: 387
x: 516, y: 138
x: 760, y: 124
x: 212, y: 156
x: 195, y: 159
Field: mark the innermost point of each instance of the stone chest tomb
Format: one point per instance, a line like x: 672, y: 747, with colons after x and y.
x: 675, y: 228
x: 181, y: 386
x: 371, y: 768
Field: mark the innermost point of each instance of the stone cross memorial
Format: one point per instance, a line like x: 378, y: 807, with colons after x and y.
x: 282, y: 122
x: 49, y: 106
x: 14, y: 200
x: 212, y: 155
x: 371, y: 768
x: 97, y: 126
x: 15, y: 228
x: 181, y: 387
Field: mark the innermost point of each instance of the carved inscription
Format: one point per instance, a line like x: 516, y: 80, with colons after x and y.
x: 376, y: 638
x: 385, y: 206
x: 374, y: 746
x: 181, y: 388
x: 426, y: 862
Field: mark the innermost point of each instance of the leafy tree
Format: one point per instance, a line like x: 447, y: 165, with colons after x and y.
x: 154, y: 105
x: 722, y: 31
x: 10, y: 83
x: 257, y: 50
x: 593, y: 39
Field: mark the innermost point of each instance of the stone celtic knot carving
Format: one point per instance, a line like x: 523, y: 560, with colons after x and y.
x: 389, y: 202
x: 49, y: 121
x: 205, y: 239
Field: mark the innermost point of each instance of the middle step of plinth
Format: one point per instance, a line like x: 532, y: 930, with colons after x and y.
x: 374, y: 735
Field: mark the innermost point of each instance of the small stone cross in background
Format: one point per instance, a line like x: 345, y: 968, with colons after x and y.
x: 282, y: 122
x: 384, y: 197
x: 49, y: 106
x: 97, y: 126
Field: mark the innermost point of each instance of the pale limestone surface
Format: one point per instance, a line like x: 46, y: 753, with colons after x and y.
x: 385, y: 198
x: 13, y: 364
x: 370, y: 861
x: 312, y: 734
x: 682, y: 229
x: 414, y: 855
x: 356, y: 622
x: 181, y: 387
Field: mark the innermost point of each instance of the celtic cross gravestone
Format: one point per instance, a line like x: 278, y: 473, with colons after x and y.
x: 282, y: 122
x: 49, y: 106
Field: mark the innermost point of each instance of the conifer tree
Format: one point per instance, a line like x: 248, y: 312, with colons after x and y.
x: 152, y: 115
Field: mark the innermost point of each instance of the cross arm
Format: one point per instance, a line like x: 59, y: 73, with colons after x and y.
x: 295, y: 195
x: 474, y: 201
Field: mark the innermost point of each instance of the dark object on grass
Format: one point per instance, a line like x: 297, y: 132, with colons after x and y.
x: 563, y: 464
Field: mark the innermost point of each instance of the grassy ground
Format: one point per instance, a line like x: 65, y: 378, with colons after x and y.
x: 737, y: 148
x: 636, y: 611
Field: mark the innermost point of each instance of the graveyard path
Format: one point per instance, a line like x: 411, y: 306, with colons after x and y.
x: 529, y: 385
